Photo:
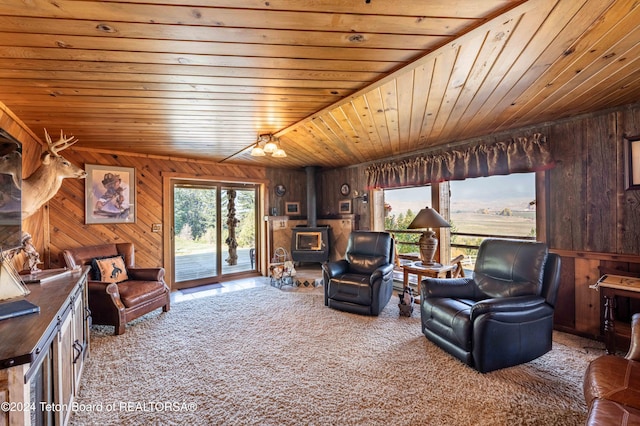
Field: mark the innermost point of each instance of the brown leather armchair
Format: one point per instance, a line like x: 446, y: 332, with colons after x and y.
x: 612, y: 385
x: 118, y: 303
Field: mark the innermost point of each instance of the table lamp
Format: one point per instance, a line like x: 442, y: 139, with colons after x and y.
x: 428, y: 218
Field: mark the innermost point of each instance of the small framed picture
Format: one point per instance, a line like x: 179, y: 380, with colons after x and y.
x: 632, y: 162
x: 292, y: 208
x: 109, y: 194
x: 344, y: 207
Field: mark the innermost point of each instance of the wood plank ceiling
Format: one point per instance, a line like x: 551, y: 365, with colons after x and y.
x: 340, y: 82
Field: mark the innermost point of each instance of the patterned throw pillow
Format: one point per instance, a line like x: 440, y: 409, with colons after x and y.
x: 110, y: 270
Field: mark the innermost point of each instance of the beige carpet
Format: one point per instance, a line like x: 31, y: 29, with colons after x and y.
x: 264, y: 356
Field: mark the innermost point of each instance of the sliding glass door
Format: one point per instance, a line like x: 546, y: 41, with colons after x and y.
x: 214, y: 231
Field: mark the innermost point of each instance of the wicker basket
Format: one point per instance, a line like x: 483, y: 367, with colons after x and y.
x: 281, y: 268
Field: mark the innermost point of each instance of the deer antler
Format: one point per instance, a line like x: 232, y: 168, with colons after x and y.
x: 61, y: 144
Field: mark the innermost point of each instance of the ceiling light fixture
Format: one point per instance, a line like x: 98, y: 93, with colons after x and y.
x: 268, y: 144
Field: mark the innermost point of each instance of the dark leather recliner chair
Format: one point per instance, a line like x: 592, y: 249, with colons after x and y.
x: 362, y: 282
x: 503, y: 315
x: 118, y: 303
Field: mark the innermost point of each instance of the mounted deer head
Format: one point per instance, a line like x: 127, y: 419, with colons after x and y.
x: 43, y: 184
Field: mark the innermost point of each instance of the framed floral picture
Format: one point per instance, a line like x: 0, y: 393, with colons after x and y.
x: 109, y: 194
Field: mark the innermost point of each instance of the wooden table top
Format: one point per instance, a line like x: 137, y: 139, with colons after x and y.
x: 24, y: 337
x: 416, y: 266
x: 620, y: 282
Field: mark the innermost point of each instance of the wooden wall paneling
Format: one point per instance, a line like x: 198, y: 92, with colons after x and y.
x: 359, y: 208
x: 297, y: 191
x: 327, y: 200
x: 294, y: 182
x: 629, y: 201
x: 600, y: 158
x: 66, y: 210
x: 587, y: 300
x: 631, y: 237
x: 329, y: 196
x: 565, y: 309
x: 148, y: 181
x: 542, y: 206
x: 566, y: 218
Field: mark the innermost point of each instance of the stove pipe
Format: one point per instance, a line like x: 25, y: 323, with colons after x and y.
x: 312, y: 220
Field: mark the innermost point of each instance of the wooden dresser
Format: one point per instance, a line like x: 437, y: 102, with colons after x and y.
x: 42, y: 354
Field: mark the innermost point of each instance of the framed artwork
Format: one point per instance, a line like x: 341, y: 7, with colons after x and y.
x: 292, y: 209
x: 280, y: 190
x: 344, y: 207
x: 632, y: 162
x: 109, y: 194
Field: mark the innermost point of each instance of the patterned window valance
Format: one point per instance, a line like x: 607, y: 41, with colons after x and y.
x: 517, y: 155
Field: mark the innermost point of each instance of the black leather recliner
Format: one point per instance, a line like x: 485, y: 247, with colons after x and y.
x: 362, y: 282
x: 503, y: 315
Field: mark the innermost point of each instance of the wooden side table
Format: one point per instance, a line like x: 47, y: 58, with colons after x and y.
x: 422, y: 271
x: 611, y: 286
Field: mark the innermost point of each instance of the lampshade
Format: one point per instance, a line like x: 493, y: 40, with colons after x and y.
x: 428, y: 218
x: 270, y: 147
x: 257, y: 151
x: 268, y: 144
x: 279, y: 153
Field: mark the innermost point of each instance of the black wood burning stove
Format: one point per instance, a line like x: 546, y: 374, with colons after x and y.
x: 310, y: 244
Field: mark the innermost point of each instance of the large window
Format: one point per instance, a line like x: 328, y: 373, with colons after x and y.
x: 401, y: 206
x: 496, y: 206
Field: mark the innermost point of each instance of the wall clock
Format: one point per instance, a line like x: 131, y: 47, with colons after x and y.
x: 280, y: 190
x: 344, y: 189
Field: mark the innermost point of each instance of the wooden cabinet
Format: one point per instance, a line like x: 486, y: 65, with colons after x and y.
x: 579, y: 308
x: 42, y: 355
x: 63, y: 382
x: 81, y: 321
